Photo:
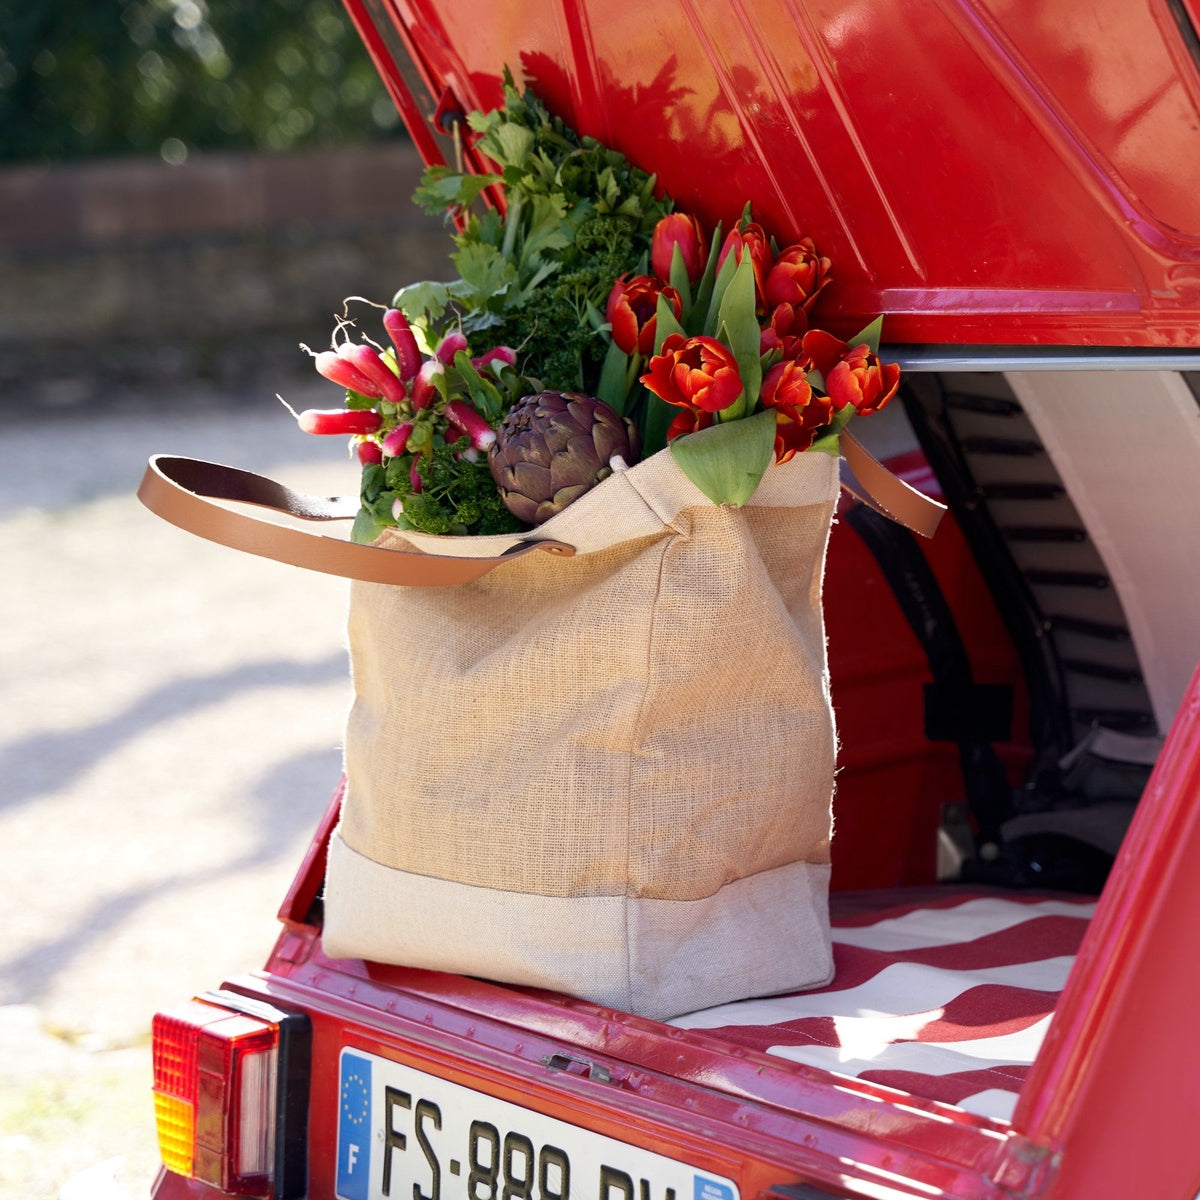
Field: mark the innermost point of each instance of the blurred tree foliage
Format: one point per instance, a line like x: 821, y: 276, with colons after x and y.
x: 82, y: 77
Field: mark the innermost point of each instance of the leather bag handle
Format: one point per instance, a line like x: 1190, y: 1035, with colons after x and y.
x: 876, y: 487
x: 188, y: 492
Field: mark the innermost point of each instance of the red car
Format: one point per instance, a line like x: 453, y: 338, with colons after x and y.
x: 1018, y: 805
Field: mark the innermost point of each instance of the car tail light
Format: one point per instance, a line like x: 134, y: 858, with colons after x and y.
x: 230, y: 1094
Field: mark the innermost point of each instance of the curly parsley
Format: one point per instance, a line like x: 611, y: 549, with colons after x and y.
x: 457, y: 496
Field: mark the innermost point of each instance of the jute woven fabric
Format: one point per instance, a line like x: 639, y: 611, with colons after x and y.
x: 595, y: 773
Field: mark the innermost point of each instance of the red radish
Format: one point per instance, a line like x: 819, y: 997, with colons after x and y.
x: 504, y: 354
x: 414, y: 476
x: 371, y: 364
x: 369, y: 452
x: 423, y: 390
x: 449, y: 346
x: 396, y: 441
x: 339, y: 420
x: 408, y: 356
x: 336, y: 369
x: 461, y: 415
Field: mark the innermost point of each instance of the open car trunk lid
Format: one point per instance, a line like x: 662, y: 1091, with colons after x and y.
x: 980, y: 172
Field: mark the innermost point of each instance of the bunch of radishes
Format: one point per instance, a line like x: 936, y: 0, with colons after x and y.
x: 403, y: 407
x: 388, y: 389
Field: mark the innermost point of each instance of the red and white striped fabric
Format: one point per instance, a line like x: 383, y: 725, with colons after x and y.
x: 948, y: 1000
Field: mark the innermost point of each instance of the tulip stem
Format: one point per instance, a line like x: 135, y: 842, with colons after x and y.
x: 632, y: 371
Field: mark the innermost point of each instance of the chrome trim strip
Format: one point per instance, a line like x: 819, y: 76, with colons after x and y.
x: 922, y: 358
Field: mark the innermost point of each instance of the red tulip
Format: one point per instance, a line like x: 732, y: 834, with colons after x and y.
x: 682, y: 230
x: 799, y: 411
x: 781, y: 345
x: 823, y: 350
x: 787, y: 321
x: 793, y: 284
x: 697, y: 372
x: 862, y: 380
x: 632, y: 312
x: 689, y: 420
x: 751, y: 239
x: 853, y: 374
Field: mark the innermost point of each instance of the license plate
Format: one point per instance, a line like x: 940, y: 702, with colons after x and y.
x: 406, y: 1134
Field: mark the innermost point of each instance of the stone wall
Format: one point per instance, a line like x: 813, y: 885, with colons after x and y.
x: 133, y: 276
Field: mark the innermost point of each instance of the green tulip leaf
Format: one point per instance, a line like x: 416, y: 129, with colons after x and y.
x: 738, y: 329
x: 704, y: 287
x: 828, y: 442
x: 655, y: 423
x: 726, y: 462
x: 870, y: 335
x: 665, y: 324
x: 679, y: 278
x: 721, y: 283
x: 612, y: 388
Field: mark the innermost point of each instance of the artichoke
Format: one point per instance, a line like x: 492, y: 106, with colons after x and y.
x: 552, y: 447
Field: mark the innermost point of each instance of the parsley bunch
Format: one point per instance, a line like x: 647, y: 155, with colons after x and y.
x: 537, y: 276
x: 458, y: 494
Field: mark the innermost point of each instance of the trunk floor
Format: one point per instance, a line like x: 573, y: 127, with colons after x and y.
x: 946, y: 996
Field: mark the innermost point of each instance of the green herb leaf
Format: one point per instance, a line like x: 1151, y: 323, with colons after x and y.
x: 526, y: 294
x: 417, y: 299
x: 547, y: 228
x: 478, y: 321
x: 485, y: 273
x: 508, y: 144
x: 441, y: 189
x: 727, y: 461
x: 365, y: 528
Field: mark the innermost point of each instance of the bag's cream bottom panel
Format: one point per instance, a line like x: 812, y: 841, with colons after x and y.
x: 767, y: 933
x: 949, y: 999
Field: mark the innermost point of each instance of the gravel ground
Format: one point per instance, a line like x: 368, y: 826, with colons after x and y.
x: 172, y: 716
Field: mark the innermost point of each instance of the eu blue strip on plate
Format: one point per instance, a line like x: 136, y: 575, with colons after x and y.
x: 354, y: 1128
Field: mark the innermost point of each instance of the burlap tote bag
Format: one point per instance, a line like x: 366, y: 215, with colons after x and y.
x: 608, y: 774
